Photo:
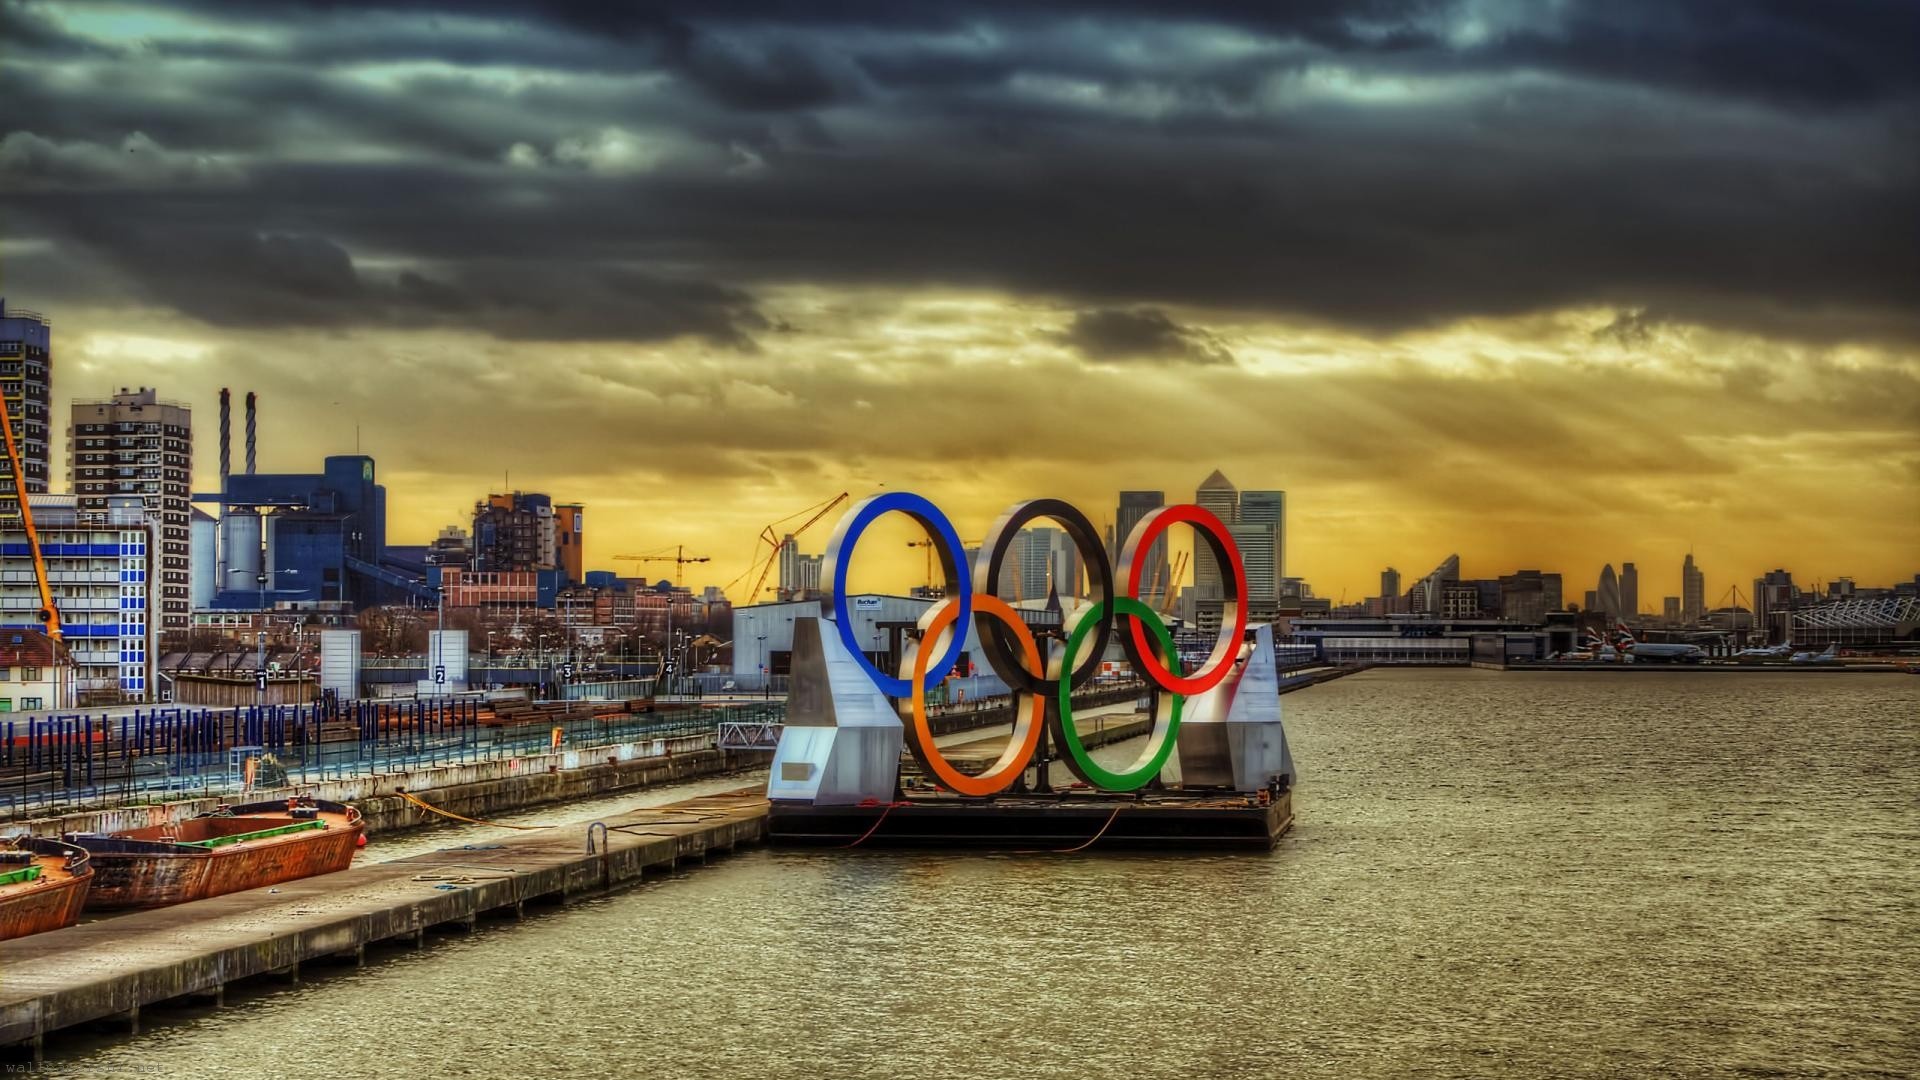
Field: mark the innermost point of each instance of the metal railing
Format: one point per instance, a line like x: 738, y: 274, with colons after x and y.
x: 71, y: 763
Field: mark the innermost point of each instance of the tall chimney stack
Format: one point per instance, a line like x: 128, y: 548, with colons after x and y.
x: 226, y: 436
x: 250, y: 433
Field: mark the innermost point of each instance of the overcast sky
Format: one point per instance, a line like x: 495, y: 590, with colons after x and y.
x: 1547, y: 284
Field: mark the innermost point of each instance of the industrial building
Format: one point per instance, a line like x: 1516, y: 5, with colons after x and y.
x: 1872, y: 622
x: 306, y: 539
x: 1420, y: 640
x: 26, y: 386
x: 763, y: 636
x: 97, y: 568
x: 136, y: 444
x: 501, y: 593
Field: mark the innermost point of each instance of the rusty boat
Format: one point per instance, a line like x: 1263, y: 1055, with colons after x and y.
x: 43, y: 883
x: 226, y: 850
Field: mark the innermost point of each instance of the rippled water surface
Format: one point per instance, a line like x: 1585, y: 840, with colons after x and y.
x: 1528, y: 875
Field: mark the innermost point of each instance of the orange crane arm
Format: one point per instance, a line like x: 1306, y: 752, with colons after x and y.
x: 773, y: 556
x: 49, y: 612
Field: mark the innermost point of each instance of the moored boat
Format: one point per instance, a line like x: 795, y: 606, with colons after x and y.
x: 229, y: 850
x: 43, y: 883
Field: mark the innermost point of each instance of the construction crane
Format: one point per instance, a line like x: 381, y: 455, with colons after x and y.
x: 928, y: 543
x: 1173, y: 578
x: 49, y: 611
x: 679, y: 559
x: 773, y: 541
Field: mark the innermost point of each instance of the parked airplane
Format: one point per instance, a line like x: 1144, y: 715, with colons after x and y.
x: 1782, y: 651
x: 1831, y: 656
x: 1658, y: 651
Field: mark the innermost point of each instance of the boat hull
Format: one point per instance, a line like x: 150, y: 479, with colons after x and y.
x: 53, y: 901
x: 131, y: 871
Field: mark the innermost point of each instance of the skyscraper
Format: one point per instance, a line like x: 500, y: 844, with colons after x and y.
x: 137, y: 445
x: 1034, y: 552
x: 1135, y: 505
x: 799, y: 574
x: 1693, y: 592
x: 1433, y: 588
x: 1268, y: 508
x: 1216, y: 493
x: 1629, y: 591
x: 1255, y: 541
x: 1389, y: 584
x: 1609, y: 593
x: 26, y: 385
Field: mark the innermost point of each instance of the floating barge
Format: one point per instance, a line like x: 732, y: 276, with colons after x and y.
x: 1065, y: 821
x: 238, y: 848
x: 43, y: 883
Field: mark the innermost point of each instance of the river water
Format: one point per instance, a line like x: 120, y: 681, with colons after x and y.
x: 1493, y: 874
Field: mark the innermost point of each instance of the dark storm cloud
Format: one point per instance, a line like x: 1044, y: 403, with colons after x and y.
x: 235, y: 278
x: 1142, y: 334
x: 1383, y: 165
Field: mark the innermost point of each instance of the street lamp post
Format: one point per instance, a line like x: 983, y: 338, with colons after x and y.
x: 439, y: 639
x: 260, y: 665
x: 760, y: 655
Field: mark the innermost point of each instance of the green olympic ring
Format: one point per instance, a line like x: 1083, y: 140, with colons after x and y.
x: 1166, y: 720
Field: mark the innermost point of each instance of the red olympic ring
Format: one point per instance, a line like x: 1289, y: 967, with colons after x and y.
x: 1211, y: 531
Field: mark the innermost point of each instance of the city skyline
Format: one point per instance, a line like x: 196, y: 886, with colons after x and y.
x: 701, y: 271
x: 412, y: 525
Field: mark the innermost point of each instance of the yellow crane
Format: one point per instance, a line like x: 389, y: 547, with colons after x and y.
x: 1173, y: 579
x: 49, y: 611
x: 679, y: 559
x: 928, y: 543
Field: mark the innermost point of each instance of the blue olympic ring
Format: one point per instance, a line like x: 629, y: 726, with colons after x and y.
x: 953, y: 559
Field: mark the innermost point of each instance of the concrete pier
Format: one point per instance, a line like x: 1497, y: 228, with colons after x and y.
x: 111, y: 969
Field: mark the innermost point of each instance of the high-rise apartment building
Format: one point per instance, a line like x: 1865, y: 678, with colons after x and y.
x: 134, y: 444
x: 570, y: 541
x: 1629, y: 591
x: 1693, y: 592
x: 799, y: 574
x: 514, y: 534
x: 26, y: 386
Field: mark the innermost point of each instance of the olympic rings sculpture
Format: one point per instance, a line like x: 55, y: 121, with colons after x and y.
x: 1036, y: 677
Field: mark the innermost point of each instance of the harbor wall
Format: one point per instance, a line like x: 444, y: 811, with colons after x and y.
x: 474, y: 789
